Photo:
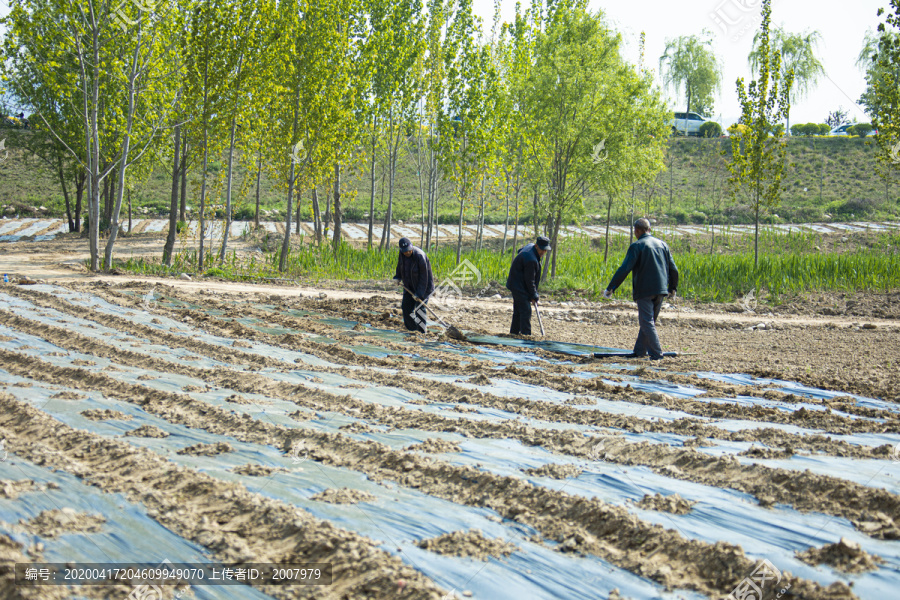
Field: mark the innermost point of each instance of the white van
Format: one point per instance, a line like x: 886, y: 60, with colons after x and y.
x: 687, y: 123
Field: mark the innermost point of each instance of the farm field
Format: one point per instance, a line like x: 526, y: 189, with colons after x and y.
x: 151, y: 419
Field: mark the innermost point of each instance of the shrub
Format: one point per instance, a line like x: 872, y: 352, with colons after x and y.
x: 698, y: 217
x: 710, y: 129
x: 860, y: 129
x: 244, y: 213
x: 737, y: 129
x: 680, y: 215
x: 179, y: 226
x: 808, y: 129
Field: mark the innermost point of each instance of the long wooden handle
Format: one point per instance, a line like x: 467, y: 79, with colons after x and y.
x: 422, y: 302
x: 540, y: 320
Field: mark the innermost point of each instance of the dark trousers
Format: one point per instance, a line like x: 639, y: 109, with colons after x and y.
x: 648, y: 313
x: 414, y: 317
x: 521, y: 319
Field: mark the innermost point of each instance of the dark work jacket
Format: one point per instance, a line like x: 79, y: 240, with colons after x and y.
x: 525, y: 273
x: 415, y: 273
x: 653, y: 272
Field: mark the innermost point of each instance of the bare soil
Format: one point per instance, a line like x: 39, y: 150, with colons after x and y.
x: 842, y: 343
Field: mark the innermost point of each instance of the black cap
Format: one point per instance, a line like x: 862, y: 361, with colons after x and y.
x: 543, y: 243
x: 405, y: 244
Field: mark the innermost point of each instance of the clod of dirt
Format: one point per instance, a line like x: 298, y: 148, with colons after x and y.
x: 10, y: 490
x: 344, y: 496
x: 470, y: 544
x: 241, y: 344
x: 759, y: 452
x: 67, y: 396
x: 435, y: 446
x: 105, y: 414
x: 207, y: 449
x: 845, y: 556
x: 698, y: 442
x: 556, y: 471
x: 480, y: 379
x: 83, y: 363
x: 674, y: 504
x: 359, y: 427
x: 52, y: 523
x: 147, y: 431
x: 23, y: 384
x: 237, y: 399
x: 257, y: 470
x: 146, y: 377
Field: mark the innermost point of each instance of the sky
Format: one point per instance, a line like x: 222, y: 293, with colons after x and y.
x: 842, y: 27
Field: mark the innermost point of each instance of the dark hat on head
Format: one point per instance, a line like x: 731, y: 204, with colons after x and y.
x: 405, y: 244
x: 543, y: 243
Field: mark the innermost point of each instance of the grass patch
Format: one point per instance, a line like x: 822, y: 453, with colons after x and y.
x: 789, y: 265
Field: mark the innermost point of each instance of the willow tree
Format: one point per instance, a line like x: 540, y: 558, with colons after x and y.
x: 689, y: 65
x: 757, y: 158
x: 797, y: 55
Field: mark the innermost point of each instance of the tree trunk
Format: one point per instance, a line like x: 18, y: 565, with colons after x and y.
x: 80, y: 180
x: 129, y: 211
x: 336, y: 242
x: 286, y: 243
x: 479, y: 242
x: 297, y: 216
x: 392, y: 161
x: 756, y: 229
x: 515, y: 243
x: 609, y: 203
x: 554, y: 243
x: 169, y: 247
x: 65, y: 191
x: 372, y: 194
x: 203, y: 202
x: 506, y: 221
x: 317, y: 217
x: 123, y: 164
x: 183, y: 200
x: 631, y: 220
x: 229, y: 179
x: 258, y: 174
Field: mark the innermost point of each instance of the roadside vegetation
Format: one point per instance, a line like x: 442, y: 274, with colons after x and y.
x: 790, y: 264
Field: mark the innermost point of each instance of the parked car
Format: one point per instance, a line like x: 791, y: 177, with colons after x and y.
x: 687, y: 123
x: 840, y: 129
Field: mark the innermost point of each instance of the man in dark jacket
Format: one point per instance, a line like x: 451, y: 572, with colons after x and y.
x: 414, y: 273
x: 654, y: 277
x: 523, y: 280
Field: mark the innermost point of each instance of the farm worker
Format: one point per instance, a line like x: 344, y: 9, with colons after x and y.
x: 524, y: 277
x: 654, y: 277
x: 414, y: 274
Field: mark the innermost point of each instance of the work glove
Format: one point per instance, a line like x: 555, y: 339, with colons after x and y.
x: 607, y: 294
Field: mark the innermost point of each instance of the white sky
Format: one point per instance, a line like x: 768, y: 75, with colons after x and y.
x: 842, y: 26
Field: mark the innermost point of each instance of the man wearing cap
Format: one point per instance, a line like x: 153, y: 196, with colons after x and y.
x: 524, y: 277
x: 654, y: 277
x: 414, y: 274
